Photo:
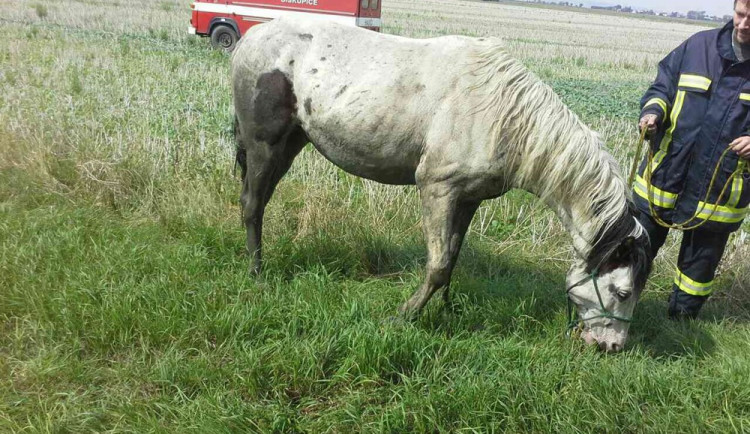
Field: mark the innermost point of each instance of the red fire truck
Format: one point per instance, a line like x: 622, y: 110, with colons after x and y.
x: 225, y: 21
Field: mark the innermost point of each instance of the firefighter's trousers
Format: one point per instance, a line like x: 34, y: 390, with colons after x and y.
x: 700, y: 253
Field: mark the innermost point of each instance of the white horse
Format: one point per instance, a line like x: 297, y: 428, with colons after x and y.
x: 457, y: 117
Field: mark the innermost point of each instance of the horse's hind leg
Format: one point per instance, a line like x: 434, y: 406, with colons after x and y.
x: 268, y: 132
x: 264, y: 167
x: 445, y: 220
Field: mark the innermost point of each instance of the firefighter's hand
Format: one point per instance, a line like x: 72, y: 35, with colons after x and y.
x: 650, y: 123
x: 741, y: 146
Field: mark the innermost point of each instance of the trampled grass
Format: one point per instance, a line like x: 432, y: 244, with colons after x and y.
x: 125, y: 302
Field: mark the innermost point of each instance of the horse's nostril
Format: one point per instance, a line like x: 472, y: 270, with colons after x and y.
x: 609, y: 347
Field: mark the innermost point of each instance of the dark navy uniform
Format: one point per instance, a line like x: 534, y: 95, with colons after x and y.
x: 702, y: 97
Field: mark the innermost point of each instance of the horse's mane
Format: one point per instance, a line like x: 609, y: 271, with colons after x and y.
x: 551, y: 151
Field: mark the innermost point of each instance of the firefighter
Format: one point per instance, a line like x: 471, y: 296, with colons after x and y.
x: 698, y: 106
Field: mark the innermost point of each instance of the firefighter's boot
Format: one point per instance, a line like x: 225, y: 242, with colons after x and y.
x: 683, y: 306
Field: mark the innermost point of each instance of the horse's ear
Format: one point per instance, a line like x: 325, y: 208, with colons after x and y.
x: 625, y: 249
x: 620, y: 256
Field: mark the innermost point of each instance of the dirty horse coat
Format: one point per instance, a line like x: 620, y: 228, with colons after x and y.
x: 457, y: 117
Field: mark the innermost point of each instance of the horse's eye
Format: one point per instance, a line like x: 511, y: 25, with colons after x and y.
x: 622, y: 296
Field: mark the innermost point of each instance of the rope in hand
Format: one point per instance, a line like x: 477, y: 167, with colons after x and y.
x: 684, y: 226
x: 639, y: 147
x: 573, y: 322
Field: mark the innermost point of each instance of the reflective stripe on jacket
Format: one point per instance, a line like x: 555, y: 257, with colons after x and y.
x: 702, y: 96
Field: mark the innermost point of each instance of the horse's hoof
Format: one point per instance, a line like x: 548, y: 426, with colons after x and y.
x: 408, y: 316
x: 451, y: 307
x: 398, y: 320
x: 479, y: 327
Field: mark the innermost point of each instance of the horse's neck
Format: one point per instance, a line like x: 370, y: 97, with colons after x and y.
x: 576, y: 208
x: 579, y: 224
x: 561, y: 160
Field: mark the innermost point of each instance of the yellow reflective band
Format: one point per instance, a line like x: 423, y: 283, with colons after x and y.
x: 745, y: 96
x: 722, y: 214
x: 667, y: 140
x: 660, y: 198
x: 691, y: 286
x: 663, y: 104
x: 694, y: 81
x: 734, y: 196
x: 658, y: 157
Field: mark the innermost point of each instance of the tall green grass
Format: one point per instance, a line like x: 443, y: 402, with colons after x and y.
x: 113, y: 323
x: 125, y: 301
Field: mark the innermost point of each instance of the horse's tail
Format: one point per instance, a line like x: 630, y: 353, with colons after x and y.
x: 241, y: 156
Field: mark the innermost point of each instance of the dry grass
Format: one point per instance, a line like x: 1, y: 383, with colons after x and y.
x: 538, y: 36
x: 107, y: 125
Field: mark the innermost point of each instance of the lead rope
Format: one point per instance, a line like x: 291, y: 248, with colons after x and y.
x: 634, y: 166
x: 650, y: 189
x: 575, y: 323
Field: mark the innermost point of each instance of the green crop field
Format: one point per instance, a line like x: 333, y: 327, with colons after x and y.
x: 124, y: 300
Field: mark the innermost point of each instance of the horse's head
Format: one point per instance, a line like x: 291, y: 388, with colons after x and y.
x: 605, y: 288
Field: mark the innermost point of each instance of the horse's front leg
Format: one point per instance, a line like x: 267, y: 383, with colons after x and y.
x: 445, y: 219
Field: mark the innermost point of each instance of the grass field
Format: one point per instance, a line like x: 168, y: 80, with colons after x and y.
x: 125, y: 301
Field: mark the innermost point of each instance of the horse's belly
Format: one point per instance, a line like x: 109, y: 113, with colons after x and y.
x: 367, y: 136
x: 387, y: 164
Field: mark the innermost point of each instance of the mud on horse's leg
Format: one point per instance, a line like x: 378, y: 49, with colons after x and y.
x: 254, y: 185
x: 267, y: 129
x: 445, y: 220
x: 265, y: 166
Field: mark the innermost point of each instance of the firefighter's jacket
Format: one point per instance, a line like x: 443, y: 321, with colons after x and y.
x: 702, y: 96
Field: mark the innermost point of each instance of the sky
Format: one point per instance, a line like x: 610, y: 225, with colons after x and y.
x: 713, y: 7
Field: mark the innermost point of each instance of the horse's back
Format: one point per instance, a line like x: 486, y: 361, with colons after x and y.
x: 367, y: 101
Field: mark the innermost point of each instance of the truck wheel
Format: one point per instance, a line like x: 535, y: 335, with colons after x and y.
x: 224, y: 38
